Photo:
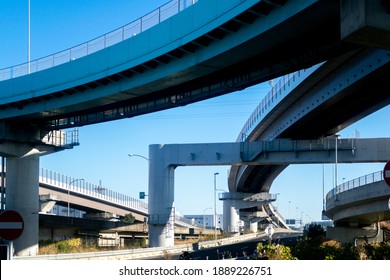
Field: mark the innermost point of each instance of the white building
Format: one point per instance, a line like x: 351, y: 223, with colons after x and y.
x: 206, y: 221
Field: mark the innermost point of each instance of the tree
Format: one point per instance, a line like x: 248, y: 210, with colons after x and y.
x: 128, y: 219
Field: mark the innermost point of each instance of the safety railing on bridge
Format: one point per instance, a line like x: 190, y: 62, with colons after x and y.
x: 355, y: 183
x: 277, y: 93
x: 118, y: 35
x: 61, y: 138
x: 79, y: 186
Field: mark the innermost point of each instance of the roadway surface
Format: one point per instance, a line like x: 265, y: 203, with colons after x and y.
x: 238, y: 250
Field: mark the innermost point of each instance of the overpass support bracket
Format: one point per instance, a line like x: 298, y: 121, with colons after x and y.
x: 163, y: 159
x: 366, y: 22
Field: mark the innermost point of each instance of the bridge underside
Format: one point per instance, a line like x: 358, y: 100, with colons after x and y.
x: 256, y: 59
x: 352, y: 87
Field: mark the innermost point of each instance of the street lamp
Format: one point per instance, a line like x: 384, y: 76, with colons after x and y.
x: 136, y: 155
x: 215, y: 205
x: 141, y: 194
x: 336, y: 137
x: 70, y: 183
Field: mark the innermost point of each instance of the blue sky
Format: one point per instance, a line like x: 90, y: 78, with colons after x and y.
x: 102, y: 155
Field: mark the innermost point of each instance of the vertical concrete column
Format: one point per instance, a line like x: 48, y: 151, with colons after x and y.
x: 253, y: 227
x: 22, y: 195
x: 160, y: 198
x: 231, y: 216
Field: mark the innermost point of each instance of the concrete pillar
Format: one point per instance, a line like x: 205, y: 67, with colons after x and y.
x: 160, y: 199
x: 22, y: 195
x: 231, y: 217
x: 352, y: 234
x: 253, y: 227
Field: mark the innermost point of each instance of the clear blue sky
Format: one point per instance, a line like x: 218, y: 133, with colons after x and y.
x: 102, y: 155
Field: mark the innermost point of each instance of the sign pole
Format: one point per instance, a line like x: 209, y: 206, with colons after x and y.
x: 10, y: 250
x: 386, y: 173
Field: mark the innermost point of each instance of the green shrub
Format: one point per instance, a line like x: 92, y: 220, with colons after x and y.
x: 274, y: 252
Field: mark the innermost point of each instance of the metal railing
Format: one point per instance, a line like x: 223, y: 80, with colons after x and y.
x: 281, y: 89
x: 116, y: 36
x: 83, y: 187
x: 61, y: 138
x: 355, y: 183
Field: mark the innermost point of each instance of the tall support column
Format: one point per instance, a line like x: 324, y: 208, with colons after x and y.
x: 22, y: 195
x: 253, y: 226
x: 231, y: 217
x: 161, y: 199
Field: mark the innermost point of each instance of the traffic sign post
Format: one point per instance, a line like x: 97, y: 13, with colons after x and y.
x: 6, y: 250
x: 386, y: 173
x: 11, y: 225
x: 269, y: 231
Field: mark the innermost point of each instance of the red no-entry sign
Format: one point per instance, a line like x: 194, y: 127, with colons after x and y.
x: 11, y: 225
x: 386, y: 173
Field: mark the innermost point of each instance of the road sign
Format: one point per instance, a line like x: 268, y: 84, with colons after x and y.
x: 386, y: 173
x: 269, y: 231
x: 11, y: 225
x: 142, y: 195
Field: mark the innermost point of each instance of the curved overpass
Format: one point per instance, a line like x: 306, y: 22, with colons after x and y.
x: 313, y: 104
x: 356, y: 205
x: 360, y: 202
x: 210, y: 48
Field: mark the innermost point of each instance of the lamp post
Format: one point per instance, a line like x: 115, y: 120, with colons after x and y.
x: 215, y: 205
x: 336, y: 137
x: 136, y: 155
x: 70, y: 183
x: 141, y: 194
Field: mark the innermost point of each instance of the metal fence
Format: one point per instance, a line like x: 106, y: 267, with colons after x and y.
x: 61, y: 138
x: 80, y: 186
x: 281, y: 89
x: 118, y: 35
x: 355, y: 183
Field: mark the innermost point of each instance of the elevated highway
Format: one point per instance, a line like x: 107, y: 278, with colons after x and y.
x: 357, y: 207
x: 312, y: 104
x: 188, y: 57
x: 103, y: 209
x: 91, y: 198
x: 210, y: 48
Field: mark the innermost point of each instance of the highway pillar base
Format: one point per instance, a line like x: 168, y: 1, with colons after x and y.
x: 231, y: 217
x: 161, y: 217
x: 253, y: 227
x: 22, y: 193
x: 354, y: 234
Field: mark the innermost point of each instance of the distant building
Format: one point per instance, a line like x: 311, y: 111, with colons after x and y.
x: 206, y: 221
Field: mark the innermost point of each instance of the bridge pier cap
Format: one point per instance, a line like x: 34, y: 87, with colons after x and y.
x: 163, y: 159
x: 366, y: 22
